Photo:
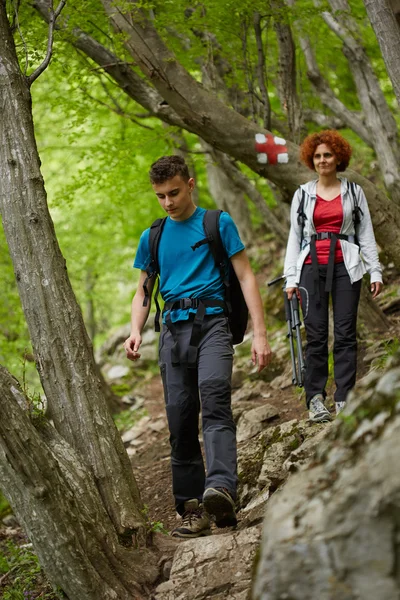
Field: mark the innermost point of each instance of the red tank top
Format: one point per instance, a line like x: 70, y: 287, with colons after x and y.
x: 328, y: 216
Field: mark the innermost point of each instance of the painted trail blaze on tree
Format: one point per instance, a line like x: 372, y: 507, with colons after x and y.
x: 271, y: 149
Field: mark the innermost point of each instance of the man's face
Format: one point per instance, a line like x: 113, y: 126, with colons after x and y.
x: 175, y: 197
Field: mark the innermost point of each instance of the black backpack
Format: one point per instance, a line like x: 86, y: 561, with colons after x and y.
x: 235, y: 305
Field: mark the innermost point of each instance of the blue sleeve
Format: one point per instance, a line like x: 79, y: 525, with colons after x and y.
x: 230, y: 235
x: 142, y: 257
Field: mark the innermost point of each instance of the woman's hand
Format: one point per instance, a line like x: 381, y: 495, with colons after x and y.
x: 376, y: 288
x: 291, y: 291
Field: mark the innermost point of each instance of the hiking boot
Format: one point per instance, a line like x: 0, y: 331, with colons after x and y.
x: 195, y: 522
x: 318, y: 413
x: 219, y: 503
x: 339, y: 407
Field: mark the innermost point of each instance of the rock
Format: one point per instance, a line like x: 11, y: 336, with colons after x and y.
x: 272, y: 471
x: 117, y: 372
x: 340, y: 513
x: 261, y: 498
x: 301, y: 455
x: 217, y: 566
x: 254, y: 421
x: 10, y: 521
x: 238, y: 408
x: 158, y: 425
x: 136, y: 431
x: 282, y: 381
x: 238, y: 377
x: 244, y: 394
x: 389, y: 383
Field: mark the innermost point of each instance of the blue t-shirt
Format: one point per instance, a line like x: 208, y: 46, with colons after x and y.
x: 185, y: 273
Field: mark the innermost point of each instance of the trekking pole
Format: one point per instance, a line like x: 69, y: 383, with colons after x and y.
x: 292, y: 315
x: 289, y: 335
x: 296, y: 324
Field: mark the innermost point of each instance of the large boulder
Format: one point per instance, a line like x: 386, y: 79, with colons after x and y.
x: 217, y: 567
x: 332, y: 532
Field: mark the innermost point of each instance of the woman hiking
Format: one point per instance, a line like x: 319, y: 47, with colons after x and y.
x: 331, y: 245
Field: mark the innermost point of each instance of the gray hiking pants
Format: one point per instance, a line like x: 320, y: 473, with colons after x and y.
x: 186, y: 389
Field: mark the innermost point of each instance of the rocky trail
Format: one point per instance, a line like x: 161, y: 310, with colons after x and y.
x: 275, y: 440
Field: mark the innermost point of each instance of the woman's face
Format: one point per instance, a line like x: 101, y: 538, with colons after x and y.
x: 325, y: 162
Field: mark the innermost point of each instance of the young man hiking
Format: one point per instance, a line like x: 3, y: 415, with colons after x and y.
x: 196, y: 373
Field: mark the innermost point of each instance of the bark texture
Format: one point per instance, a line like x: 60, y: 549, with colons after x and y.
x: 63, y: 352
x: 56, y: 499
x: 387, y: 32
x: 287, y: 70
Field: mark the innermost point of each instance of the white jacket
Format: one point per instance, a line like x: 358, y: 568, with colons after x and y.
x: 357, y: 259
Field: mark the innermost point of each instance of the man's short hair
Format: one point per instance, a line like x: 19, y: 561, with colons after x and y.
x: 167, y: 167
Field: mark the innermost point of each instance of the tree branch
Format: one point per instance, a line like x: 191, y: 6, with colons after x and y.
x: 53, y: 16
x: 120, y: 71
x: 325, y: 92
x: 16, y: 21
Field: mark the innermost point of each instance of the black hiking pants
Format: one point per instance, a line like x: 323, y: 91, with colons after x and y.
x: 186, y: 390
x: 345, y: 299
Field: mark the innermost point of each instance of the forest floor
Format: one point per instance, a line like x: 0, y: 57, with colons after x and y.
x: 20, y: 574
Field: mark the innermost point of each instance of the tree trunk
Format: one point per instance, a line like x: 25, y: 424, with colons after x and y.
x: 63, y: 352
x: 287, y: 70
x: 55, y: 498
x: 227, y: 195
x: 379, y: 120
x: 370, y: 313
x: 387, y: 31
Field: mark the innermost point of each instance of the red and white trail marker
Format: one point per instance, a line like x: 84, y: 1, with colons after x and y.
x: 271, y: 149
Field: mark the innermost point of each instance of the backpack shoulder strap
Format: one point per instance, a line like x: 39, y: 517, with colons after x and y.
x: 153, y: 268
x: 156, y: 229
x: 357, y: 212
x: 301, y: 215
x: 213, y: 235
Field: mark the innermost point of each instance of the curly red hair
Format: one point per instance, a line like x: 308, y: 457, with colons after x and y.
x: 339, y: 146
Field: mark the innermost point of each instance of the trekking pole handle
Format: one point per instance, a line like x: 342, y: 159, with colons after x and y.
x: 288, y: 309
x: 275, y: 280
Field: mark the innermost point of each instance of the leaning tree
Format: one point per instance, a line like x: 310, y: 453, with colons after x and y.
x: 71, y: 484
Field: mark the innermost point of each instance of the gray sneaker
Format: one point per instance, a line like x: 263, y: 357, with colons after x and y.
x: 318, y: 413
x: 219, y: 503
x: 339, y: 407
x: 195, y: 522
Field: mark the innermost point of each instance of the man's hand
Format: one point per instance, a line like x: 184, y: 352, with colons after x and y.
x: 376, y: 288
x: 132, y: 345
x: 261, y: 353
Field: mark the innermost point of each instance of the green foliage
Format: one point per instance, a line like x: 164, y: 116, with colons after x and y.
x: 24, y: 575
x: 153, y: 526
x: 4, y: 508
x: 391, y: 347
x: 128, y: 418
